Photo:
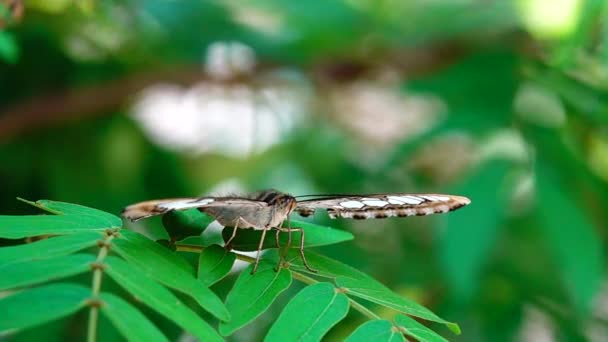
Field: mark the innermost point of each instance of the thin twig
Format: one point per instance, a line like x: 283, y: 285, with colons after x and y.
x: 96, y: 287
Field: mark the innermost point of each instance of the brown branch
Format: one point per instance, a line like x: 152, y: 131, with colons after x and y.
x: 96, y: 100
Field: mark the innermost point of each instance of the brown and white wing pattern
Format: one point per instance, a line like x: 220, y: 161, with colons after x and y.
x: 383, y: 205
x: 145, y: 209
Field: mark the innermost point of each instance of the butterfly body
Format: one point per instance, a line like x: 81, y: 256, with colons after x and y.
x: 265, y: 210
x: 268, y: 209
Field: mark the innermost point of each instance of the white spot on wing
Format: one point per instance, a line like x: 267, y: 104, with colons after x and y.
x: 436, y: 198
x: 392, y: 200
x: 375, y: 203
x: 352, y: 204
x: 407, y: 199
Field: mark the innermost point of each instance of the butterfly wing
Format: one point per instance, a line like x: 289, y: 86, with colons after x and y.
x: 382, y: 205
x: 212, y: 205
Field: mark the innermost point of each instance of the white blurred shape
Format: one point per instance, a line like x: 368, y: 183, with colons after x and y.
x: 382, y: 115
x: 536, y: 327
x: 229, y: 59
x: 229, y: 119
x: 505, y: 144
x: 264, y: 21
x: 539, y: 105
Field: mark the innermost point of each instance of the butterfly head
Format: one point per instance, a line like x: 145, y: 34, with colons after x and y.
x: 277, y: 199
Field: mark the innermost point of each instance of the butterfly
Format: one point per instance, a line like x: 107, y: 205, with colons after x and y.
x: 268, y: 209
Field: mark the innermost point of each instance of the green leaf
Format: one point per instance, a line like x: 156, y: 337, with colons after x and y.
x: 573, y: 239
x: 33, y: 272
x: 64, y: 208
x: 49, y: 248
x: 316, y: 235
x: 168, y: 268
x: 131, y: 323
x: 416, y: 330
x: 180, y: 224
x: 378, y: 330
x: 214, y: 263
x: 158, y: 298
x: 17, y: 227
x: 310, y: 314
x: 253, y: 294
x: 9, y: 50
x: 44, y: 304
x: 359, y: 284
x: 369, y: 289
x: 470, y: 233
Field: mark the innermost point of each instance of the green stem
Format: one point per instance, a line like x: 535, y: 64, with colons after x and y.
x: 362, y: 309
x: 296, y: 275
x: 96, y: 288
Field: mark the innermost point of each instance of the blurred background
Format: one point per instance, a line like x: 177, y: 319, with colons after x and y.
x: 105, y: 103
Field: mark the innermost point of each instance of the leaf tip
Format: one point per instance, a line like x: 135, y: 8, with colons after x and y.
x: 455, y: 328
x: 25, y: 201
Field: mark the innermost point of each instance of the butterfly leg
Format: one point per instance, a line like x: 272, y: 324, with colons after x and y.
x: 228, y: 243
x: 283, y: 253
x: 257, y: 258
x: 304, y: 261
x: 302, y: 249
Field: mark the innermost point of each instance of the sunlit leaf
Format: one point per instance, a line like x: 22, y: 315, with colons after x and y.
x: 63, y: 208
x: 133, y: 325
x: 48, y: 248
x: 251, y: 295
x: 214, y: 263
x: 159, y: 263
x: 359, y: 284
x: 158, y: 298
x: 378, y: 330
x: 33, y: 272
x: 44, y: 304
x: 16, y: 227
x: 310, y: 314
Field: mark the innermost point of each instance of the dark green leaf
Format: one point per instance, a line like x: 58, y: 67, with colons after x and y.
x: 471, y: 232
x: 310, y: 314
x: 214, y: 264
x: 182, y: 223
x: 33, y: 272
x: 359, y: 284
x: 316, y: 235
x: 573, y: 239
x: 253, y: 294
x: 44, y: 303
x: 158, y: 298
x: 133, y: 325
x: 63, y: 208
x: 418, y: 331
x: 49, y: 248
x: 379, y: 330
x: 168, y: 268
x: 17, y: 227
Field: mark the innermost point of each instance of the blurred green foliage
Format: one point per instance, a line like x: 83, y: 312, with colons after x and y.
x: 502, y: 101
